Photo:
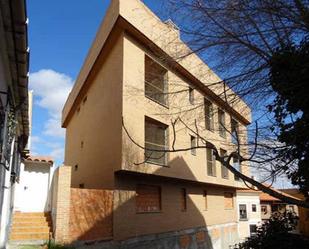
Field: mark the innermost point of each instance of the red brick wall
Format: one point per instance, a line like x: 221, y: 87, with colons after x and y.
x: 91, y: 214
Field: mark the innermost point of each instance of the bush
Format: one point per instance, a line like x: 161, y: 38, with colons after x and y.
x: 276, y: 234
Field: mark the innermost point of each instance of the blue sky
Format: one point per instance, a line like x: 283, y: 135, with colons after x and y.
x: 60, y: 34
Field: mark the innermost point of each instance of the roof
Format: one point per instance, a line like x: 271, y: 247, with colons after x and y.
x: 267, y: 197
x: 135, y: 18
x: 13, y: 18
x: 41, y: 159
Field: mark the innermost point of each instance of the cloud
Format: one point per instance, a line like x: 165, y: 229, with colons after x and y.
x: 51, y: 90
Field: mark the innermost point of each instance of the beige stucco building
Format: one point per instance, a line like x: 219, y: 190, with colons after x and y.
x: 119, y: 115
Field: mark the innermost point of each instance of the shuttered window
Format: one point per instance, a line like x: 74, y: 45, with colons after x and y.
x: 148, y: 198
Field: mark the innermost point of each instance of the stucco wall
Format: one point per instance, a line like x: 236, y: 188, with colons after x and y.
x: 93, y: 135
x: 253, y: 218
x: 136, y: 106
x: 171, y: 218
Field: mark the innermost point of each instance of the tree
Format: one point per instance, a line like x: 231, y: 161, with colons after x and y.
x: 247, y: 42
x: 275, y: 233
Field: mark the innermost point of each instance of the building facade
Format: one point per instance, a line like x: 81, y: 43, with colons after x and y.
x: 14, y: 121
x: 249, y: 212
x: 120, y: 123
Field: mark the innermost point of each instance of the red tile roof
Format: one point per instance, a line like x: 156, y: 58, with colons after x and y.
x: 41, y: 159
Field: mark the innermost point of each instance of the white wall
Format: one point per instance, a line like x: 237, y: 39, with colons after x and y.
x: 254, y: 218
x: 32, y: 192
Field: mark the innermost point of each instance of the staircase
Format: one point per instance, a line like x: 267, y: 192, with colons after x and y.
x: 31, y: 227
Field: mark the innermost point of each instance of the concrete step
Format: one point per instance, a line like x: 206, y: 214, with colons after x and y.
x: 29, y: 236
x: 30, y: 229
x: 30, y: 219
x: 36, y: 214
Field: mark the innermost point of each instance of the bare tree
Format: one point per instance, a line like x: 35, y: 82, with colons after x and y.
x: 239, y: 38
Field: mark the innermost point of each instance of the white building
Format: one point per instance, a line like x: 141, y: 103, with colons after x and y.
x: 249, y: 212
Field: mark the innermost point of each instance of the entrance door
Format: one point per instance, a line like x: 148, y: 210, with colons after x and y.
x: 33, y: 189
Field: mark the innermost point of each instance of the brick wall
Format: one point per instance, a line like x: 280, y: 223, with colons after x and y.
x: 91, y: 214
x: 61, y: 203
x: 79, y: 214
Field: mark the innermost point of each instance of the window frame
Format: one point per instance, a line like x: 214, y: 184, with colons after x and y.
x: 209, y: 117
x: 163, y: 91
x: 213, y: 171
x: 159, y: 198
x: 234, y: 131
x: 236, y: 178
x: 183, y: 200
x: 222, y: 128
x: 231, y: 196
x: 262, y: 207
x: 254, y: 208
x: 205, y: 196
x: 191, y: 95
x: 147, y: 143
x: 223, y: 168
x: 245, y: 217
x: 192, y: 139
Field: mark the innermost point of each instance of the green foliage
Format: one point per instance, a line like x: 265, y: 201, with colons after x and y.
x: 276, y: 234
x: 53, y: 245
x: 289, y: 76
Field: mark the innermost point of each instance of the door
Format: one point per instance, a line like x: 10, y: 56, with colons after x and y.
x: 33, y: 189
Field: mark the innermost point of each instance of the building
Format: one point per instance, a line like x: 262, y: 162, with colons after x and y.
x: 271, y: 205
x: 303, y: 213
x: 249, y: 212
x: 120, y: 109
x: 14, y: 121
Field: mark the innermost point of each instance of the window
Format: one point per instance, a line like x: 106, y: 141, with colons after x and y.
x: 253, y: 229
x: 193, y: 145
x: 234, y: 131
x: 148, y: 198
x: 228, y: 200
x: 224, y: 170
x: 183, y: 196
x: 155, y: 81
x: 264, y: 209
x: 291, y: 208
x: 221, y: 122
x: 254, y: 208
x: 209, y: 121
x: 236, y: 165
x: 205, y: 199
x: 242, y: 212
x: 155, y: 139
x: 191, y: 95
x: 211, y: 162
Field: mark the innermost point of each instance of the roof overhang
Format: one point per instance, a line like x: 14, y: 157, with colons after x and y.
x: 14, y: 20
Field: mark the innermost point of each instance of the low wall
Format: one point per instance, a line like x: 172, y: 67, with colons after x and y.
x: 91, y: 214
x: 80, y: 214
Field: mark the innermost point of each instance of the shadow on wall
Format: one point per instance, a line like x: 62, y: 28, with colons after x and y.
x: 94, y: 220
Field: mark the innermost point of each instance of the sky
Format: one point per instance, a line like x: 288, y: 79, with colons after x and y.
x: 60, y: 35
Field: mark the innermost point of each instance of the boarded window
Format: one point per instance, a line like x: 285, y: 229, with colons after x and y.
x: 155, y: 81
x: 228, y: 200
x: 191, y: 95
x: 243, y: 212
x: 148, y: 198
x: 221, y: 122
x: 237, y: 166
x: 234, y: 131
x: 224, y: 170
x: 183, y: 196
x: 193, y: 145
x: 205, y: 199
x: 155, y: 140
x: 209, y: 121
x: 211, y: 162
x: 254, y: 208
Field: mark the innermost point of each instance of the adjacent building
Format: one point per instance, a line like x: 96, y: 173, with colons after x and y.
x: 14, y: 121
x: 119, y: 121
x: 271, y: 205
x: 249, y: 212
